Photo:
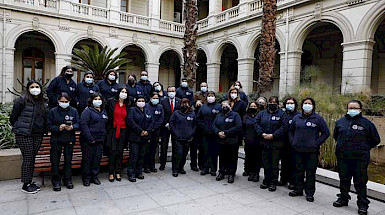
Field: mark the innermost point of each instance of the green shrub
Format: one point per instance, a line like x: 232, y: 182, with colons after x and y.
x: 7, y: 138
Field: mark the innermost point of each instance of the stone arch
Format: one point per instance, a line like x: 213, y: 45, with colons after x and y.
x: 76, y: 38
x: 372, y: 19
x: 220, y: 47
x: 145, y: 48
x: 306, y: 26
x: 205, y: 50
x: 253, y: 41
x: 164, y: 49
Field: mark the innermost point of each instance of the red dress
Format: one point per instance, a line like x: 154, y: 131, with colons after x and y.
x: 120, y: 114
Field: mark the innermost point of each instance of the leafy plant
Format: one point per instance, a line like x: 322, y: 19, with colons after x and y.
x: 7, y: 138
x: 99, y: 61
x: 24, y: 87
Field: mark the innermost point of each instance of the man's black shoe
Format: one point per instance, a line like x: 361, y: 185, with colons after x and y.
x: 56, y: 185
x: 182, y: 172
x: 161, y: 168
x: 282, y: 183
x: 230, y: 179
x: 310, y: 198
x: 264, y: 186
x: 141, y: 177
x: 147, y: 171
x: 250, y: 178
x: 132, y: 179
x: 213, y: 173
x: 175, y: 174
x: 204, y: 173
x: 220, y: 177
x: 95, y: 181
x: 69, y: 184
x: 256, y: 178
x: 362, y: 211
x: 86, y: 183
x: 154, y: 170
x: 272, y: 188
x: 340, y: 203
x: 296, y: 193
x: 291, y: 187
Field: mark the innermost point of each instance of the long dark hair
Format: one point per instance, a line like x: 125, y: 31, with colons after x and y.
x: 34, y: 99
x: 127, y: 100
x: 186, y: 101
x: 64, y: 69
x: 93, y: 96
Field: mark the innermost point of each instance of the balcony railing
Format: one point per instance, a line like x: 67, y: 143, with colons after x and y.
x: 171, y: 26
x: 90, y: 11
x: 129, y: 18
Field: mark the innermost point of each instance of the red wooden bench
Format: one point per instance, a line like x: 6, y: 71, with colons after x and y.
x: 43, y: 162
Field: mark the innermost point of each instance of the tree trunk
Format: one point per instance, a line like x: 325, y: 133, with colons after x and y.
x: 190, y: 50
x: 267, y: 48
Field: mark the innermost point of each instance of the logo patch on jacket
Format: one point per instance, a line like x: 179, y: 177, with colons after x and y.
x: 290, y: 121
x: 68, y: 117
x: 189, y: 118
x: 310, y: 124
x: 91, y: 91
x: 138, y: 92
x: 229, y: 120
x: 215, y: 111
x: 188, y: 93
x: 114, y: 90
x: 275, y: 118
x: 358, y: 127
x: 158, y: 112
x: 72, y: 89
x: 104, y: 116
x: 148, y: 116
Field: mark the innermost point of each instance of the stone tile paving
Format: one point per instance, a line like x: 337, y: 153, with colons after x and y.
x: 160, y: 193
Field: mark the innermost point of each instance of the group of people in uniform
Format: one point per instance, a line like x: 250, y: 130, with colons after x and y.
x: 141, y: 116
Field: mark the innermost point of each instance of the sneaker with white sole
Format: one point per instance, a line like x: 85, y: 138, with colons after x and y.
x: 30, y: 189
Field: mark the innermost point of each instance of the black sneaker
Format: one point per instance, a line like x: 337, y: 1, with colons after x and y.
x: 340, y: 203
x: 310, y: 198
x: 147, y: 171
x: 182, y: 172
x: 272, y: 188
x: 291, y: 187
x: 27, y: 188
x: 34, y: 185
x: 175, y: 174
x: 213, y: 173
x: 86, y: 182
x: 154, y: 170
x: 295, y: 193
x: 69, y: 184
x: 230, y: 179
x: 96, y: 181
x: 141, y: 177
x: 264, y: 186
x: 204, y: 172
x: 56, y: 186
x: 132, y: 179
x: 256, y: 178
x: 362, y: 211
x: 282, y: 183
x: 251, y: 177
x: 220, y: 177
x: 161, y: 168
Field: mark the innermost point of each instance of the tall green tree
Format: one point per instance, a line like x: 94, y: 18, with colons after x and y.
x: 190, y: 49
x: 267, y: 48
x: 99, y: 61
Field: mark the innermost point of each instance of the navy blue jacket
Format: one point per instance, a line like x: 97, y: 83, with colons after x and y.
x: 139, y: 121
x: 206, y: 116
x: 183, y: 125
x: 58, y: 116
x: 108, y: 90
x: 305, y: 132
x: 355, y: 136
x: 231, y: 124
x: 83, y: 93
x: 134, y: 93
x: 240, y: 107
x: 249, y: 129
x: 59, y: 85
x: 185, y: 93
x: 289, y: 118
x: 157, y: 114
x: 271, y: 123
x: 167, y: 108
x: 93, y: 125
x: 146, y: 88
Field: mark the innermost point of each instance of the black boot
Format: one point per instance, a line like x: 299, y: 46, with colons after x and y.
x: 56, y: 185
x: 340, y: 203
x: 220, y: 177
x: 68, y: 184
x: 272, y: 188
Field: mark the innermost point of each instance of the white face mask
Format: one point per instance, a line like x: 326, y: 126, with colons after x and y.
x: 171, y: 95
x: 233, y: 95
x: 97, y: 103
x: 111, y: 77
x: 184, y: 84
x: 158, y: 88
x: 210, y: 99
x: 144, y: 78
x: 204, y: 89
x: 140, y: 104
x: 64, y: 105
x: 35, y: 91
x: 89, y: 80
x: 307, y: 108
x: 237, y: 87
x: 123, y: 95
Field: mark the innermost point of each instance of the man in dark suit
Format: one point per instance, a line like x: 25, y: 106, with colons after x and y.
x: 170, y: 104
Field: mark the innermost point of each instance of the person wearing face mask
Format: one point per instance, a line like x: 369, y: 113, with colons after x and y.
x: 287, y: 164
x: 242, y: 95
x: 117, y: 111
x: 200, y: 97
x: 157, y: 87
x: 60, y: 84
x: 261, y: 102
x: 184, y: 91
x: 29, y: 123
x: 134, y: 90
x: 308, y: 131
x: 93, y: 123
x: 170, y: 104
x: 270, y: 128
x: 236, y: 103
x: 355, y: 136
x: 158, y: 116
x: 209, y: 149
x: 84, y: 90
x: 63, y: 121
x: 253, y: 150
x: 108, y: 86
x: 227, y: 126
x: 145, y: 84
x: 140, y: 123
x: 182, y: 126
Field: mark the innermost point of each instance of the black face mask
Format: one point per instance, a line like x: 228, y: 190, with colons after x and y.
x: 272, y: 107
x: 184, y: 108
x: 226, y: 110
x: 68, y: 75
x: 252, y: 110
x: 131, y: 82
x: 261, y: 107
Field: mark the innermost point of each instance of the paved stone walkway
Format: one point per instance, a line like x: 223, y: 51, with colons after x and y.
x: 160, y: 193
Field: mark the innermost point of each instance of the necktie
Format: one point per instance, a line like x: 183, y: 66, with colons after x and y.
x: 172, y: 106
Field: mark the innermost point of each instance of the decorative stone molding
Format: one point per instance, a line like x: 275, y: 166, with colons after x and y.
x: 318, y: 11
x: 354, y: 2
x: 243, y: 28
x: 35, y: 23
x: 90, y: 31
x: 7, y: 16
x: 114, y: 32
x: 135, y: 37
x: 172, y: 43
x: 64, y: 25
x: 154, y: 38
x: 210, y: 37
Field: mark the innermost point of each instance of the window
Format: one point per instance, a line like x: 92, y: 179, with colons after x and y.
x: 85, y: 2
x: 124, y: 6
x: 33, y: 65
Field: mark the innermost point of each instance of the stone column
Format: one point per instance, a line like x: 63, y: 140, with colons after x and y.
x: 7, y: 79
x: 61, y: 60
x: 290, y: 74
x: 114, y: 6
x: 245, y: 73
x: 153, y: 71
x: 357, y: 66
x: 154, y: 13
x: 215, y: 7
x: 213, y: 73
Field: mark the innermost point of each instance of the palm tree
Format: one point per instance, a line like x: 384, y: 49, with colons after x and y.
x: 267, y: 49
x: 190, y: 50
x: 99, y: 62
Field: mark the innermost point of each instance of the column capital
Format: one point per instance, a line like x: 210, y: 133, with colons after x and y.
x: 152, y: 64
x: 356, y: 45
x: 213, y: 64
x: 242, y: 60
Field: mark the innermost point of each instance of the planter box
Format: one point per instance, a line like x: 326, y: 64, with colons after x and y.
x: 10, y: 164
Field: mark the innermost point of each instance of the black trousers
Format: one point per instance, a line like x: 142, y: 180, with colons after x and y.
x: 287, y: 164
x: 194, y: 150
x: 136, y: 160
x: 29, y: 147
x: 149, y: 160
x: 253, y: 158
x: 115, y: 149
x: 91, y: 156
x: 270, y: 160
x: 210, y: 153
x: 179, y: 155
x: 228, y: 158
x: 56, y: 151
x: 165, y: 133
x: 305, y: 164
x: 358, y: 170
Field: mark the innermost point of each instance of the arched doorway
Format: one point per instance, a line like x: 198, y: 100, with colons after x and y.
x: 378, y: 63
x: 201, y: 74
x: 170, y: 69
x: 78, y: 76
x: 34, y: 59
x: 137, y: 64
x: 275, y: 89
x: 229, y: 67
x: 321, y: 61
